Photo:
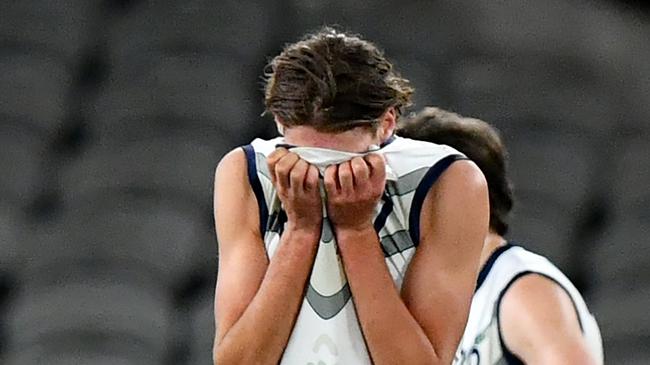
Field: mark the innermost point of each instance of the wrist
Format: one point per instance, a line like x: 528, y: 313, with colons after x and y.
x: 303, y: 232
x: 355, y: 233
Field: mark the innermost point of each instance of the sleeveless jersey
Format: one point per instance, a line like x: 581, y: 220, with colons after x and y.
x: 327, y: 330
x: 482, y: 340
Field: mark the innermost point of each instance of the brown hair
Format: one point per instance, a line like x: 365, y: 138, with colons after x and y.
x: 480, y: 142
x: 333, y: 82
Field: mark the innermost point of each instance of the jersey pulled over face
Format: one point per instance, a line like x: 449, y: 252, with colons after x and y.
x: 482, y: 340
x: 327, y: 330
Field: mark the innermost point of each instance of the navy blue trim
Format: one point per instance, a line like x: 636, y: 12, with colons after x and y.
x: 285, y: 145
x: 512, y: 359
x: 390, y: 140
x: 256, y: 185
x: 386, y: 209
x: 485, y: 270
x: 421, y: 191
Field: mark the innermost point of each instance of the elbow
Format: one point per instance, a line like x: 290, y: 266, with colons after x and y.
x: 221, y: 355
x: 224, y: 354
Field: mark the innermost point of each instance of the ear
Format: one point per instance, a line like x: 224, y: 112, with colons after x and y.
x: 387, y: 125
x: 278, y: 124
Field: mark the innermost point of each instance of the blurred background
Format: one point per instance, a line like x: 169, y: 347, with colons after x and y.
x: 114, y: 114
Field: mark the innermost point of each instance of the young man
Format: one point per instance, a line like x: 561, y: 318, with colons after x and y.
x: 524, y: 309
x: 338, y: 242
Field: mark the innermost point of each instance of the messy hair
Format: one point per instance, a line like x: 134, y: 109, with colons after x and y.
x: 480, y: 142
x: 333, y: 82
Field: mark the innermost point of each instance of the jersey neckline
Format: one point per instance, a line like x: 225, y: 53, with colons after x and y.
x: 487, y: 267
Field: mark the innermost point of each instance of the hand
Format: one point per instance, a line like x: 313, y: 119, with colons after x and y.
x: 296, y: 182
x: 353, y: 191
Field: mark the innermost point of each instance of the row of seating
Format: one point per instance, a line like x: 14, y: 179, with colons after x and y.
x: 122, y: 272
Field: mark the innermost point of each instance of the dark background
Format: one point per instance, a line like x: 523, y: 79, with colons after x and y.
x: 114, y: 114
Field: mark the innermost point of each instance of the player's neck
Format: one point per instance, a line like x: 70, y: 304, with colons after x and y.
x: 491, y: 243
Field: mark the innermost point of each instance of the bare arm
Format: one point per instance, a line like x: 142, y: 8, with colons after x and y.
x: 539, y: 324
x: 256, y: 300
x: 424, y: 324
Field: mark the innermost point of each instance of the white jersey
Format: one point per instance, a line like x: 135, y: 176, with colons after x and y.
x: 327, y: 330
x: 481, y: 342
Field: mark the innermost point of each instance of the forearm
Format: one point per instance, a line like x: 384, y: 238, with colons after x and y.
x: 392, y: 333
x: 261, y: 333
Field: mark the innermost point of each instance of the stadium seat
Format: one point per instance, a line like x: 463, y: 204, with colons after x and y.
x: 426, y: 29
x: 202, y: 323
x: 74, y: 350
x: 106, y: 307
x: 34, y: 90
x: 170, y: 166
x: 57, y: 28
x: 555, y: 164
x: 525, y: 25
x: 238, y: 27
x: 13, y: 232
x: 156, y: 237
x: 542, y: 226
x: 423, y: 76
x: 551, y: 174
x: 622, y: 255
x: 22, y: 156
x: 549, y: 89
x: 197, y: 93
x: 621, y: 314
x: 620, y: 262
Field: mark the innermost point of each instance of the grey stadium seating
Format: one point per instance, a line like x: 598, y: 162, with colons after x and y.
x: 160, y: 238
x: 171, y: 165
x: 620, y: 264
x: 22, y: 154
x: 203, y: 331
x: 34, y: 89
x: 57, y: 322
x: 236, y: 27
x: 551, y: 174
x: 202, y: 94
x: 57, y: 28
x: 115, y: 113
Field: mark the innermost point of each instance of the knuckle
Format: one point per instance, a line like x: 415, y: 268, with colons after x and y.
x: 282, y: 170
x: 358, y: 162
x: 291, y: 156
x: 375, y: 160
x: 296, y: 174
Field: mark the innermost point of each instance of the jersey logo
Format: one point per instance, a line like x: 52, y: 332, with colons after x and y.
x: 327, y: 342
x: 328, y: 276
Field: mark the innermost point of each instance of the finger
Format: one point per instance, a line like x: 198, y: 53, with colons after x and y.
x: 311, y: 182
x: 346, y: 179
x: 377, y: 166
x: 298, y: 175
x: 273, y: 159
x: 331, y: 179
x: 360, y: 171
x: 283, y: 169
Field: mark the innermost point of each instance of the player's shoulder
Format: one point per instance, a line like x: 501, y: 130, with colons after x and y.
x: 518, y: 261
x: 536, y: 307
x: 531, y: 286
x: 232, y: 163
x: 238, y: 159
